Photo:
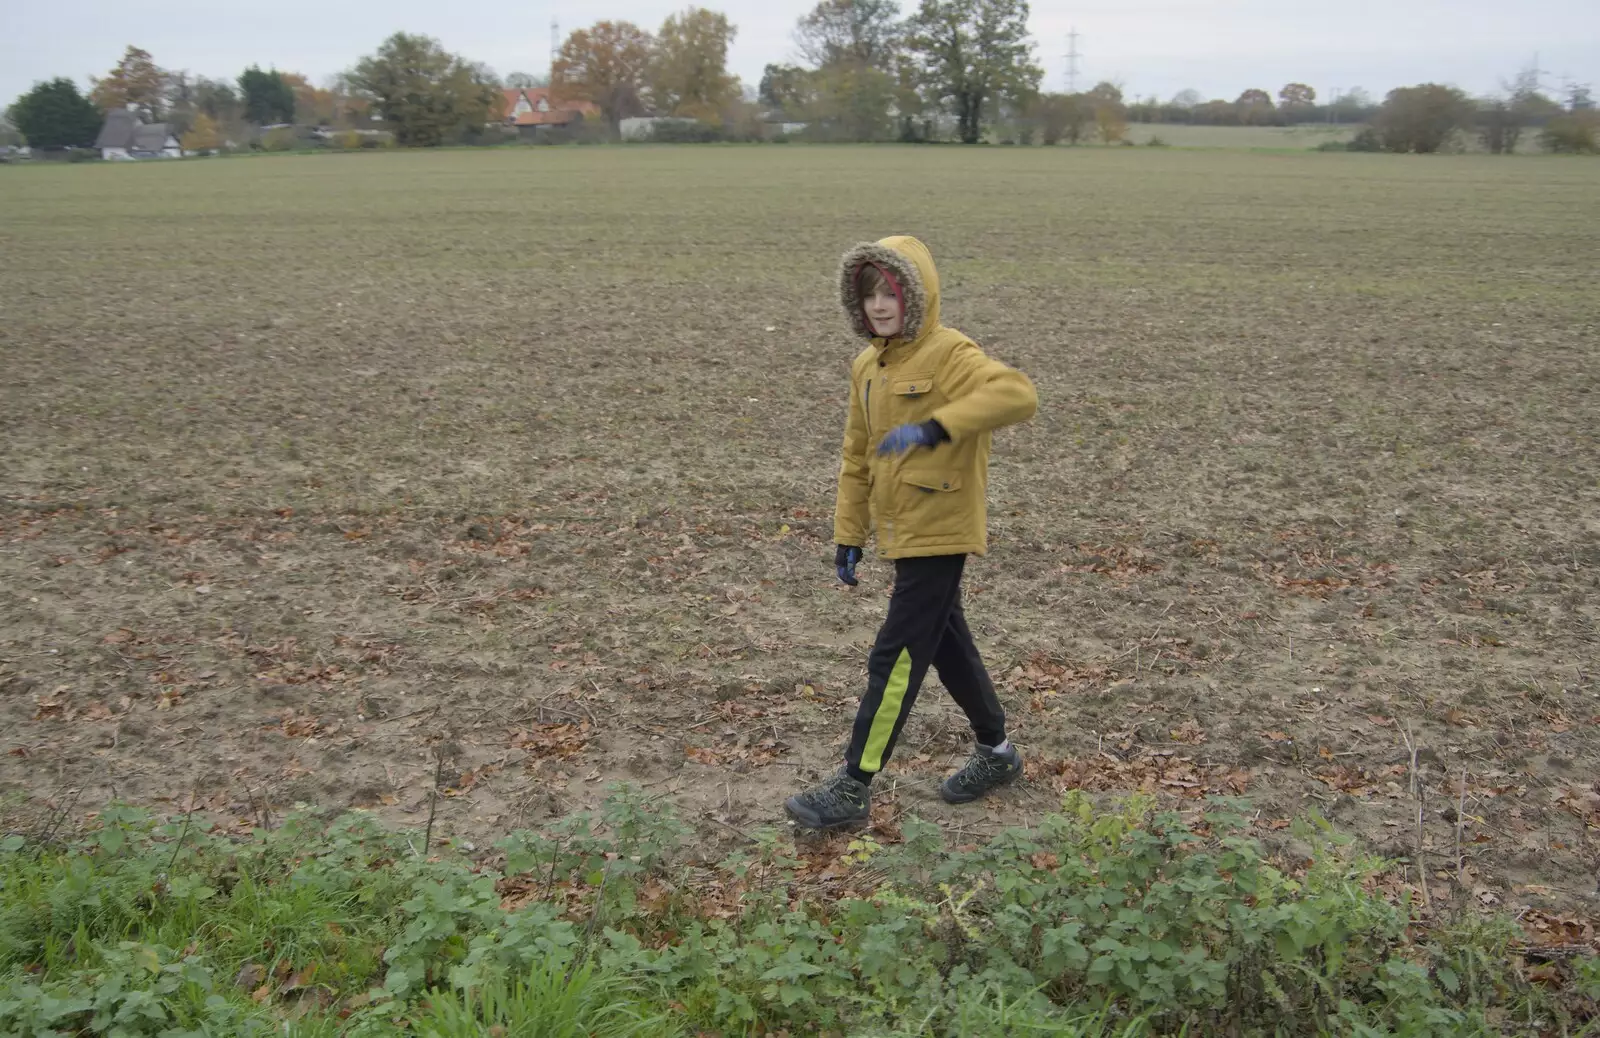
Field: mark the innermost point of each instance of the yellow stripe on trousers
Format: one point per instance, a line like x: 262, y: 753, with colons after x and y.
x: 883, y: 722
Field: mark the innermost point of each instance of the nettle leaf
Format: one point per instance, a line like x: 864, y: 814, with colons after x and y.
x: 147, y: 958
x: 398, y: 981
x: 1061, y: 943
x: 790, y: 969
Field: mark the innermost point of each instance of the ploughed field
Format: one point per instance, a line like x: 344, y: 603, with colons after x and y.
x: 323, y: 478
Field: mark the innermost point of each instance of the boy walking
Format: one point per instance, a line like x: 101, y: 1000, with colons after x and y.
x: 923, y: 401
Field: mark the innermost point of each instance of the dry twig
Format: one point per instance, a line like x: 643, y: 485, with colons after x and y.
x: 182, y: 835
x: 1416, y: 791
x: 433, y: 799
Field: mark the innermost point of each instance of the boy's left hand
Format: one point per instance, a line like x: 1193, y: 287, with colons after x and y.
x: 909, y: 437
x: 845, y: 560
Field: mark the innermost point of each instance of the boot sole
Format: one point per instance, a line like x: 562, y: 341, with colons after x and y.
x: 967, y: 798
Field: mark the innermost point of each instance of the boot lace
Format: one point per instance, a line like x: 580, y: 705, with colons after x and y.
x: 981, y: 769
x: 838, y: 791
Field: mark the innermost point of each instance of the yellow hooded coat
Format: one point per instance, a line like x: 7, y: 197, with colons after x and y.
x: 927, y: 501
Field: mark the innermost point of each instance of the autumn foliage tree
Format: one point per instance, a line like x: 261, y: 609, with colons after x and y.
x: 1109, y: 111
x: 1255, y: 108
x: 689, y: 72
x: 135, y: 82
x: 203, y: 135
x: 312, y: 104
x: 608, y: 63
x: 1296, y: 101
x: 1061, y: 117
x: 1576, y: 132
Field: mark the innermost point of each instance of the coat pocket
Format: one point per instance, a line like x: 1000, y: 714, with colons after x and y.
x: 912, y: 398
x: 913, y: 385
x: 931, y: 505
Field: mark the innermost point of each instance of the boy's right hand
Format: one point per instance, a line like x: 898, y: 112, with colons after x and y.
x: 845, y: 559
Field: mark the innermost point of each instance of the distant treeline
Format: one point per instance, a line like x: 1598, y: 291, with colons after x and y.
x: 961, y: 70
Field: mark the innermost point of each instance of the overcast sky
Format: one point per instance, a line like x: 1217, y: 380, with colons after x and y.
x: 1219, y: 47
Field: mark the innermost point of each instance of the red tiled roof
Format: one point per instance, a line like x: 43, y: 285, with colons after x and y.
x: 560, y: 113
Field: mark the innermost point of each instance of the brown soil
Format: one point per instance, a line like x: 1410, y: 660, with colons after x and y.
x: 318, y: 472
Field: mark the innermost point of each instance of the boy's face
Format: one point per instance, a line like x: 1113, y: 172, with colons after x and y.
x: 883, y: 312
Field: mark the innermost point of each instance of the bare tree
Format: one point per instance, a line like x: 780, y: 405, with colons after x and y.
x: 1499, y: 125
x: 1503, y: 119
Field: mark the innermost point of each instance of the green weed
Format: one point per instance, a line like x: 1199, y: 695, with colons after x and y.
x: 1123, y: 922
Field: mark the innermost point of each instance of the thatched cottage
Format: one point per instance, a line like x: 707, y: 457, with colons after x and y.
x: 124, y: 137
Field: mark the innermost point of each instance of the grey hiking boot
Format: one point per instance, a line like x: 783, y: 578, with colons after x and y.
x: 986, y: 770
x: 837, y: 803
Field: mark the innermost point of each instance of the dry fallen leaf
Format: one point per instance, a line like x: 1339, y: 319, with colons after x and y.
x: 552, y: 740
x: 299, y: 979
x: 250, y: 975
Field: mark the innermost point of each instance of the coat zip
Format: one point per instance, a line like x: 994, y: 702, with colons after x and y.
x: 869, y: 410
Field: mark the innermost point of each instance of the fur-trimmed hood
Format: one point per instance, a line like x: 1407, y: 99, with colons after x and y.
x: 912, y: 266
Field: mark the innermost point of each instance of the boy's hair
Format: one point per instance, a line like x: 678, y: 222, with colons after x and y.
x: 869, y: 279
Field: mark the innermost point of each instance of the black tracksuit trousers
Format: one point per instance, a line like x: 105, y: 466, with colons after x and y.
x: 925, y: 627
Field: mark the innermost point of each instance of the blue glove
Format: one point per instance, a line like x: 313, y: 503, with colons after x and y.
x: 909, y: 437
x: 845, y: 558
